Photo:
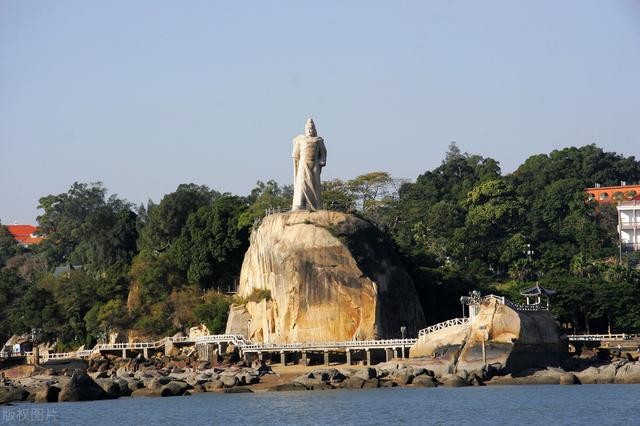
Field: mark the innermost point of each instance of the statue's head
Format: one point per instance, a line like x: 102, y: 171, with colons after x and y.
x: 310, y: 128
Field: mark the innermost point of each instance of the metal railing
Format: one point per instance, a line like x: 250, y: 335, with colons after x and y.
x: 275, y: 210
x: 600, y: 337
x: 240, y: 342
x: 348, y: 344
x: 443, y: 325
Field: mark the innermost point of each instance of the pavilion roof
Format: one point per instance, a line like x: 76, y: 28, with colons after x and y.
x: 538, y: 290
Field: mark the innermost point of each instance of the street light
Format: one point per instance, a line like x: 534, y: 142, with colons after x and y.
x: 36, y: 336
x: 403, y: 329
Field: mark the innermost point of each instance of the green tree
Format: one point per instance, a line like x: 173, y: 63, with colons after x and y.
x: 213, y: 312
x: 165, y: 221
x: 265, y: 196
x: 63, y: 217
x: 213, y: 242
x: 8, y: 245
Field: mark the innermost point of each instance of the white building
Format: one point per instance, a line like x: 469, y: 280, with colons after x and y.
x: 628, y: 224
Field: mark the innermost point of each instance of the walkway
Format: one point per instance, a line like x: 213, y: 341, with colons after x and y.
x: 246, y: 347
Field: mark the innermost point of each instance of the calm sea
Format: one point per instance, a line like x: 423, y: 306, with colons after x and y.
x: 519, y: 405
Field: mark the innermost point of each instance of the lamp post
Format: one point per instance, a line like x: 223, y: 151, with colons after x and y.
x: 485, y: 337
x: 36, y: 336
x: 403, y: 329
x: 529, y: 252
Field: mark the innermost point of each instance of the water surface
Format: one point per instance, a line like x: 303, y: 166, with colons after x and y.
x: 522, y: 405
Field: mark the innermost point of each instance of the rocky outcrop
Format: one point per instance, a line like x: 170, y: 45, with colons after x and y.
x: 512, y: 339
x: 81, y: 387
x: 331, y: 277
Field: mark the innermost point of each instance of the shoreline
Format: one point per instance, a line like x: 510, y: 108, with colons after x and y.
x: 110, y: 377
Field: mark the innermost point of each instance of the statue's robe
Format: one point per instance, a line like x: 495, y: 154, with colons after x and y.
x: 309, y: 156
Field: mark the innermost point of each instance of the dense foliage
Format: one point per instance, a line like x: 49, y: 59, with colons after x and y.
x: 160, y: 268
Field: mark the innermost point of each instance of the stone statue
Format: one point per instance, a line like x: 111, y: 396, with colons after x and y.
x: 309, y: 157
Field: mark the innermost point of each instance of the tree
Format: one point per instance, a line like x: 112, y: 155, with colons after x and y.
x: 337, y: 196
x: 11, y: 290
x: 165, y: 221
x: 213, y: 312
x: 213, y: 242
x: 8, y: 245
x: 109, y: 239
x: 266, y: 196
x: 63, y: 217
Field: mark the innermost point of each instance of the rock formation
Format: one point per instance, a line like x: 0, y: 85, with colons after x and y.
x: 515, y: 339
x: 330, y: 276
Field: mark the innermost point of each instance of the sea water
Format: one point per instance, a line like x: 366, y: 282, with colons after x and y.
x: 497, y: 405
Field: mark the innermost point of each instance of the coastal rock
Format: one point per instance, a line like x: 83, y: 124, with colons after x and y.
x: 174, y: 388
x: 404, y: 379
x: 371, y: 383
x: 81, y: 387
x: 453, y: 381
x: 367, y: 373
x: 145, y: 392
x: 229, y: 381
x: 47, y: 394
x: 331, y: 277
x: 123, y: 386
x: 514, y: 339
x: 111, y: 387
x: 569, y: 379
x: 596, y: 375
x: 11, y: 394
x: 310, y: 383
x: 354, y: 383
x: 286, y: 387
x: 628, y: 373
x: 214, y: 385
x: 424, y: 381
x: 238, y: 390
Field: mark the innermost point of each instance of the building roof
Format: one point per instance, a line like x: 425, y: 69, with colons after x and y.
x: 607, y: 194
x: 66, y: 268
x: 538, y: 291
x: 25, y: 234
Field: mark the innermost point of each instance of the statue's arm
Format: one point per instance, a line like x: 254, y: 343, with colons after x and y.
x: 296, y: 158
x: 322, y: 154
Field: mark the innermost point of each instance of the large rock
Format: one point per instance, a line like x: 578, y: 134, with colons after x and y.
x: 514, y: 339
x: 10, y: 394
x: 628, y: 373
x: 81, y: 387
x: 331, y: 277
x: 47, y: 394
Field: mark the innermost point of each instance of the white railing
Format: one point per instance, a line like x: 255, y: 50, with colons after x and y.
x: 275, y: 210
x: 348, y: 344
x: 240, y: 342
x: 600, y: 337
x: 442, y: 325
x: 499, y: 299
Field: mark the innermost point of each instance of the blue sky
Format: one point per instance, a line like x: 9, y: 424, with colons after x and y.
x: 146, y: 95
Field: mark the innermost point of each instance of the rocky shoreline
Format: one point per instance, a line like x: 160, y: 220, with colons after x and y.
x: 110, y: 377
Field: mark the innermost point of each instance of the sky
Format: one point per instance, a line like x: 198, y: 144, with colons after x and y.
x: 146, y: 95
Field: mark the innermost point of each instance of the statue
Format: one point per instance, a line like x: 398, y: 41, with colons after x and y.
x: 309, y: 157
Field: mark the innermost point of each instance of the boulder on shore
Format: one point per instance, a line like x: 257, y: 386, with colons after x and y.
x: 81, y: 387
x: 499, y: 335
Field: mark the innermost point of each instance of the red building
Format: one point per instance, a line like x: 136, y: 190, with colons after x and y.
x: 607, y: 194
x: 25, y: 235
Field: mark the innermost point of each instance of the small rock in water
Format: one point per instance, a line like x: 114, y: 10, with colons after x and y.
x: 424, y: 381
